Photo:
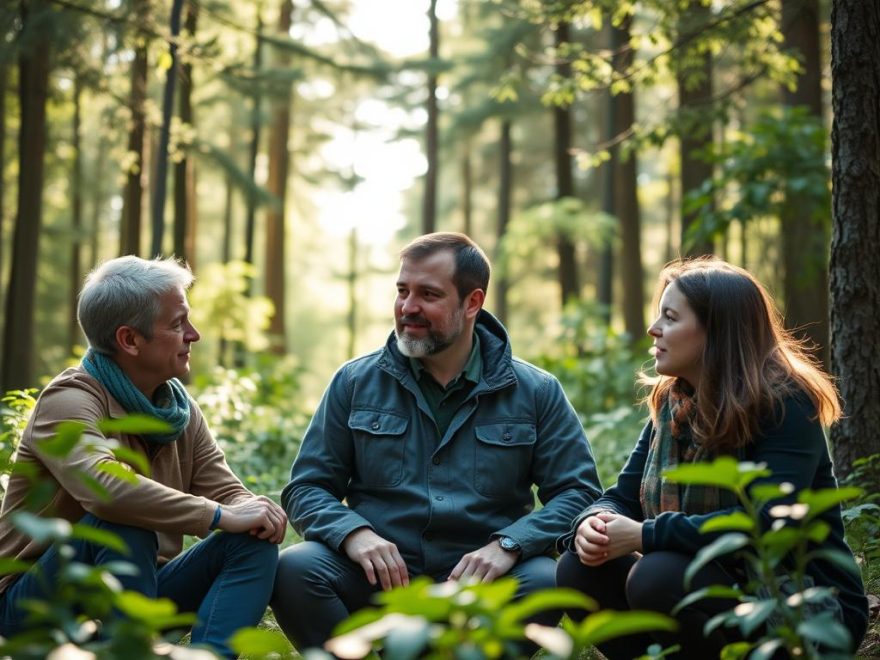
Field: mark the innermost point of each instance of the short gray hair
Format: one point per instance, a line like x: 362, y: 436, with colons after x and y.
x: 126, y: 291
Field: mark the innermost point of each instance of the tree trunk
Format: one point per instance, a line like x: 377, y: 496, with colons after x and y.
x: 256, y: 124
x: 4, y: 78
x: 855, y: 242
x: 467, y: 189
x: 184, y: 172
x: 73, y: 334
x: 626, y: 202
x: 505, y: 192
x: 429, y: 210
x: 97, y: 198
x: 18, y: 336
x: 130, y: 229
x: 161, y: 182
x: 277, y: 185
x: 605, y: 283
x: 568, y: 276
x: 352, y: 291
x: 805, y: 228
x: 694, y: 94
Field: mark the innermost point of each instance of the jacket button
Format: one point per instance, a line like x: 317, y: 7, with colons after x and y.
x: 375, y: 426
x: 506, y: 437
x: 439, y: 498
x: 436, y: 460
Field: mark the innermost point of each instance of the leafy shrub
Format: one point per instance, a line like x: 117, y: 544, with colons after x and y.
x: 779, y: 597
x: 477, y: 622
x: 257, y: 420
x: 597, y: 368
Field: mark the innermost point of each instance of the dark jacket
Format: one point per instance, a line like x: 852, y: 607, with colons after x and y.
x: 374, y: 443
x: 796, y: 452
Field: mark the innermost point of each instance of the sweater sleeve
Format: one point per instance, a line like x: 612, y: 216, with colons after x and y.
x: 623, y: 497
x: 791, y: 449
x: 136, y: 500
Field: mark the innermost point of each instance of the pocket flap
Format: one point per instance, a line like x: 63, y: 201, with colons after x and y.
x: 506, y: 434
x: 377, y: 423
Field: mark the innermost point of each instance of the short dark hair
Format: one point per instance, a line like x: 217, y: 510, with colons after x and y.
x: 472, y: 267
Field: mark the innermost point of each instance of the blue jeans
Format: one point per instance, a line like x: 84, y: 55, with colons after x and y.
x: 226, y: 579
x: 316, y: 588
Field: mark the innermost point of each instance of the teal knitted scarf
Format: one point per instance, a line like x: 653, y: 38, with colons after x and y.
x: 172, y: 402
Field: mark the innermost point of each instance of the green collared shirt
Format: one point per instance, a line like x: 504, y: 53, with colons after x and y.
x: 445, y: 401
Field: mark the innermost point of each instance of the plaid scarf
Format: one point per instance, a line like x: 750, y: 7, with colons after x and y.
x: 672, y: 443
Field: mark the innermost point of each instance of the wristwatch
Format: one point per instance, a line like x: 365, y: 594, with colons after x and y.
x: 508, y: 544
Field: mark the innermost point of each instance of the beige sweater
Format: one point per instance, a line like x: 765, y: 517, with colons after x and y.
x: 188, y: 478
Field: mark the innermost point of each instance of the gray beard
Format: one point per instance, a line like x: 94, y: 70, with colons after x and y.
x: 419, y: 348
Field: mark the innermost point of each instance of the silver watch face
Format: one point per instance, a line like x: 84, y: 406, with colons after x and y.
x: 508, y: 543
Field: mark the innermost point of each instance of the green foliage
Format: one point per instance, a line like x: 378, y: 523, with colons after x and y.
x: 779, y: 597
x: 478, y: 621
x: 220, y: 301
x: 15, y: 409
x: 597, y: 367
x: 781, y: 154
x: 256, y: 419
x: 862, y: 518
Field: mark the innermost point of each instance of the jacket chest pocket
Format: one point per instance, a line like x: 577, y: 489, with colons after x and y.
x: 502, y: 457
x: 379, y: 446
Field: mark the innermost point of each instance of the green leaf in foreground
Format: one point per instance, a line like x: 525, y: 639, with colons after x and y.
x: 259, y: 642
x: 134, y: 425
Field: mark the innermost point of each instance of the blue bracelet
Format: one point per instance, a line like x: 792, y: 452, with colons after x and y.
x: 216, y: 520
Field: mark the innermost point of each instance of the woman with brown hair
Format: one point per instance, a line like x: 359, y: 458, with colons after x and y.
x: 731, y: 381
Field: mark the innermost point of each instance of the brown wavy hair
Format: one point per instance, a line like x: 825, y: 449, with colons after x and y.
x: 750, y: 361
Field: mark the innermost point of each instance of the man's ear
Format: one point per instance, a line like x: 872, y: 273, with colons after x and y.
x: 474, y: 303
x: 128, y: 339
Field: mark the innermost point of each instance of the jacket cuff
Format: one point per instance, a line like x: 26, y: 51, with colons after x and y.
x: 345, y: 527
x: 648, y: 540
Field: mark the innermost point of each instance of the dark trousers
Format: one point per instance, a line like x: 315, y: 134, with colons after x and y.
x: 226, y: 579
x: 653, y: 582
x: 316, y: 588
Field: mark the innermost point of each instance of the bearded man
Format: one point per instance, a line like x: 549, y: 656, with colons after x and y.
x: 421, y: 457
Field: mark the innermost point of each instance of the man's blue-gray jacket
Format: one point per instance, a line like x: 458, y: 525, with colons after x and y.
x: 373, y: 442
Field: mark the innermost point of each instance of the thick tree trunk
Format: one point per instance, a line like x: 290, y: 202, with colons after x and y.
x: 73, y: 332
x: 277, y: 184
x: 569, y: 286
x: 696, y: 134
x: 505, y: 192
x: 805, y: 228
x: 185, y: 219
x: 605, y: 282
x: 855, y: 242
x: 429, y: 200
x: 130, y: 227
x: 161, y: 181
x: 18, y: 336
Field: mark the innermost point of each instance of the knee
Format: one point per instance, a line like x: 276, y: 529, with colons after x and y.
x: 569, y: 571
x: 298, y: 565
x: 656, y: 581
x: 251, y: 551
x: 137, y: 539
